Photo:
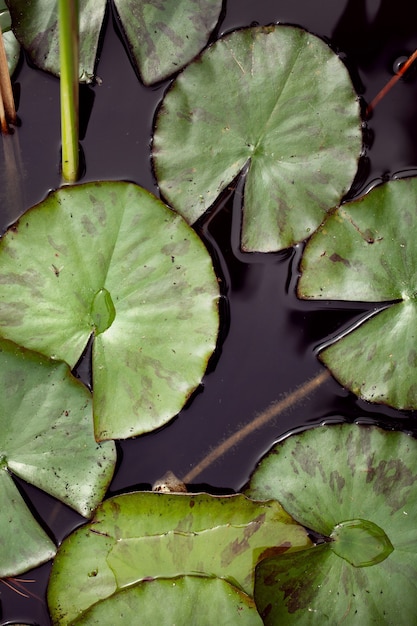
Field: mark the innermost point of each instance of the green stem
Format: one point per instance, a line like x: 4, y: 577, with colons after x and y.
x: 260, y: 420
x: 68, y: 48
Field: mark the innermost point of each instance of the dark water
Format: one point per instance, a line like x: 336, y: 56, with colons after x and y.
x: 268, y: 339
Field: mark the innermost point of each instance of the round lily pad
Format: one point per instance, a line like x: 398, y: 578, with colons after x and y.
x: 357, y: 487
x: 276, y: 102
x: 366, y: 252
x: 138, y: 536
x: 110, y: 260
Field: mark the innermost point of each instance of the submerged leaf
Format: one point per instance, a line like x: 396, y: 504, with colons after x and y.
x: 183, y: 600
x: 112, y: 260
x: 46, y: 438
x: 273, y: 100
x: 164, y: 36
x: 145, y: 535
x: 357, y: 486
x: 366, y: 252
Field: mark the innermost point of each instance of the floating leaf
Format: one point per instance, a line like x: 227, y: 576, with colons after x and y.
x: 182, y: 600
x: 146, y: 535
x: 112, y: 260
x: 357, y: 485
x: 164, y: 36
x: 11, y: 44
x: 366, y: 252
x: 35, y: 25
x: 277, y: 102
x: 45, y: 424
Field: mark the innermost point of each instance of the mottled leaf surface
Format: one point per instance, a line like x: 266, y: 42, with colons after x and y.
x: 141, y: 535
x: 366, y: 252
x: 200, y: 601
x: 11, y: 44
x: 45, y: 425
x: 112, y: 260
x: 164, y: 36
x: 35, y: 25
x: 358, y: 486
x: 276, y: 102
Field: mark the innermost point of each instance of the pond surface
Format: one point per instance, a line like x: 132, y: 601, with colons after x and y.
x: 268, y: 338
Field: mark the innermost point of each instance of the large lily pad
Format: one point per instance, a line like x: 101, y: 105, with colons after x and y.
x: 182, y: 600
x: 162, y: 36
x: 46, y: 438
x: 356, y: 485
x: 110, y: 259
x: 145, y: 535
x: 366, y: 252
x: 277, y: 102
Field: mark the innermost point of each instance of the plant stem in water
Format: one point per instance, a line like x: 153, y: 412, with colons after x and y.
x: 7, y: 107
x: 263, y: 418
x: 69, y: 54
x: 391, y: 83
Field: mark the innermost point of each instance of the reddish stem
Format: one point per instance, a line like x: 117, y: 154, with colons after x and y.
x: 391, y: 83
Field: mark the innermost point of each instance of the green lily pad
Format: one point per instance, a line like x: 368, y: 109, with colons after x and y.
x: 366, y: 252
x: 111, y: 260
x: 45, y: 423
x: 182, y: 600
x: 274, y: 102
x: 162, y: 36
x: 146, y: 535
x: 357, y: 486
x: 35, y: 25
x: 11, y: 44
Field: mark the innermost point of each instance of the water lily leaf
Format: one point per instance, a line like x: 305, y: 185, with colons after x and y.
x: 112, y: 260
x: 182, y: 600
x: 11, y: 44
x: 357, y: 485
x: 145, y: 535
x: 366, y: 252
x: 35, y: 25
x: 46, y: 438
x: 164, y: 36
x: 277, y: 102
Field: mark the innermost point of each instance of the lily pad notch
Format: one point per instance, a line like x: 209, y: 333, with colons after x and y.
x: 276, y: 101
x: 111, y: 259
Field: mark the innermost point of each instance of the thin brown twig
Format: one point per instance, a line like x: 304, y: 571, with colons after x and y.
x: 7, y: 107
x: 391, y: 83
x: 263, y: 418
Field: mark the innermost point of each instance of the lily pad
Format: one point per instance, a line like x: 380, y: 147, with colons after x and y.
x: 357, y: 486
x: 162, y: 36
x: 182, y: 600
x: 366, y: 252
x: 146, y: 535
x: 11, y: 44
x: 111, y: 260
x: 272, y: 101
x: 35, y: 25
x: 45, y: 423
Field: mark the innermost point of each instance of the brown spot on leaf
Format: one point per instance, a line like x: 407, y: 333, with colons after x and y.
x: 336, y: 258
